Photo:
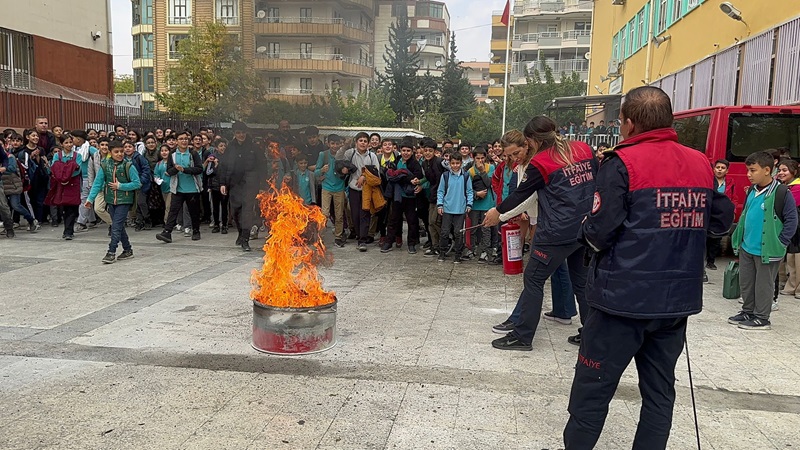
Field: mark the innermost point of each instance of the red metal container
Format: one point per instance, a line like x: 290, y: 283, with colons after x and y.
x: 511, y: 237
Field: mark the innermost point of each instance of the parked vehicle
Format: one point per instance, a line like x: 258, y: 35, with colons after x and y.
x: 734, y: 132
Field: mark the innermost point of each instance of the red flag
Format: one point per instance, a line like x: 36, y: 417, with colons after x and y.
x: 506, y: 19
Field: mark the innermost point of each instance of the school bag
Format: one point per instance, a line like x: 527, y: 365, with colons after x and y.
x: 730, y: 281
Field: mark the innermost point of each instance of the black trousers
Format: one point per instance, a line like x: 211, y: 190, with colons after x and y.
x: 713, y: 247
x: 408, y: 208
x: 70, y: 217
x: 206, y: 203
x: 608, y: 344
x: 360, y: 217
x: 220, y: 208
x: 192, y: 201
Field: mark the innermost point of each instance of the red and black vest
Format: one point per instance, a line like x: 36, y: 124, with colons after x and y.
x: 655, y: 268
x: 567, y: 196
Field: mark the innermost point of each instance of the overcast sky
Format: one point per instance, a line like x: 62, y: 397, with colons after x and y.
x: 470, y: 19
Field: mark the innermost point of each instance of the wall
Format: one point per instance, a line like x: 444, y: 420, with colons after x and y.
x: 702, y: 32
x: 68, y: 21
x: 72, y: 66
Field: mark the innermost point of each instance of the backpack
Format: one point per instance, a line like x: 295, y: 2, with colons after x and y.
x: 780, y: 199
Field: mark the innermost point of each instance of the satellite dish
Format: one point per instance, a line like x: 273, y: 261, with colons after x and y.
x: 438, y: 63
x: 261, y: 14
x: 491, y: 55
x: 588, y: 55
x: 492, y: 82
x: 488, y: 101
x: 261, y: 49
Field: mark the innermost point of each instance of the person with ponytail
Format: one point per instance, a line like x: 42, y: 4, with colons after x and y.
x: 562, y: 174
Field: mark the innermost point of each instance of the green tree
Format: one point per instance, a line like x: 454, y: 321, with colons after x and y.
x: 457, y: 98
x: 482, y: 124
x: 400, y: 81
x: 433, y: 124
x: 211, y: 77
x: 367, y: 109
x: 123, y: 84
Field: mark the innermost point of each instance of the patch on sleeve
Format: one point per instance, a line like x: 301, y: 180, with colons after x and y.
x: 597, y: 203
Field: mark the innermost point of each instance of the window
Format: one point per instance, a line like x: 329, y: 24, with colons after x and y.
x: 633, y: 39
x: 305, y: 15
x: 228, y: 12
x: 305, y: 50
x: 397, y: 9
x: 305, y: 85
x: 137, y: 47
x: 425, y: 9
x: 273, y: 15
x: 583, y: 26
x: 174, y: 45
x: 147, y: 12
x: 149, y: 106
x: 180, y: 12
x: 677, y: 11
x: 623, y: 43
x: 16, y: 60
x: 274, y: 85
x: 615, y: 47
x: 147, y: 45
x: 274, y: 49
x: 148, y: 82
x: 143, y: 80
x: 136, y: 8
x: 693, y: 132
x: 642, y: 29
x: 748, y: 131
x: 662, y: 17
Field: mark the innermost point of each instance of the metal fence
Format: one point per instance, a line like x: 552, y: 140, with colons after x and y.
x: 594, y: 139
x: 20, y: 110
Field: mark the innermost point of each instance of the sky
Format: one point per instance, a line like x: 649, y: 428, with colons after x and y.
x: 469, y: 19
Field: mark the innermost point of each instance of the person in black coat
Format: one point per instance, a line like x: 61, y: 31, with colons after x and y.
x: 244, y: 170
x: 407, y: 178
x: 433, y: 169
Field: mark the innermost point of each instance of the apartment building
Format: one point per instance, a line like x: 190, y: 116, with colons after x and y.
x: 300, y: 48
x: 430, y: 21
x: 554, y: 33
x: 477, y: 73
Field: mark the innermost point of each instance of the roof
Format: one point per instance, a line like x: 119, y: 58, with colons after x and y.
x: 583, y: 101
x: 391, y: 133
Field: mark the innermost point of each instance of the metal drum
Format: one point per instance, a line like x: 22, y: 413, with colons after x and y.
x: 293, y: 331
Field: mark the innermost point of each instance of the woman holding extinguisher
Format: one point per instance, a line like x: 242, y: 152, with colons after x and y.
x: 562, y: 174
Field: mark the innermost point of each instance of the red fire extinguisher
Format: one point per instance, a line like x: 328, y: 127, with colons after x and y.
x: 511, y: 237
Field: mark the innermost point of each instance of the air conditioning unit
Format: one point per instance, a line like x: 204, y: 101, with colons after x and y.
x: 618, y: 2
x: 613, y: 68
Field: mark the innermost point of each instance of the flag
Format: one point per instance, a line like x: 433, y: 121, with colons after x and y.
x: 506, y: 19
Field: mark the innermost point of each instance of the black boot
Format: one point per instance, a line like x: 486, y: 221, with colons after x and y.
x: 239, y: 238
x: 246, y: 245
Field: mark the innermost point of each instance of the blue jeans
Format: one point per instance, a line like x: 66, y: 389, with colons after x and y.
x: 14, y: 200
x: 563, y: 296
x: 118, y: 213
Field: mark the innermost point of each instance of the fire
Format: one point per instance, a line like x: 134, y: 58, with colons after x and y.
x: 294, y: 248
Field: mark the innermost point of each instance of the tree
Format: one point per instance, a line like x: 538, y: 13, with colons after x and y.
x: 400, y: 81
x: 367, y: 109
x: 457, y: 97
x: 123, y: 84
x: 481, y: 125
x: 433, y: 124
x: 212, y: 77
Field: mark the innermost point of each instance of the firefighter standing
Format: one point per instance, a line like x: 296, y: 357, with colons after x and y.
x: 648, y: 230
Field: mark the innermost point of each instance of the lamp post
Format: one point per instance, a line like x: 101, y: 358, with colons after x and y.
x: 419, y: 119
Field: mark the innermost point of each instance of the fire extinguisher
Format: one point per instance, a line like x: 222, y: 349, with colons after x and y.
x: 511, y: 237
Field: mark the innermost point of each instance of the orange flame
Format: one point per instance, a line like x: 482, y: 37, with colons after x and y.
x: 294, y: 248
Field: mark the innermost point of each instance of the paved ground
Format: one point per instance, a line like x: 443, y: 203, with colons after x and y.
x: 155, y: 353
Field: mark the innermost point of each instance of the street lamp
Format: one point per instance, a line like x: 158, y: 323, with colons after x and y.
x: 419, y: 119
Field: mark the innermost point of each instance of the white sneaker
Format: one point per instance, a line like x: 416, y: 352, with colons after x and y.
x: 187, y: 232
x: 177, y: 228
x: 34, y: 227
x: 774, y: 306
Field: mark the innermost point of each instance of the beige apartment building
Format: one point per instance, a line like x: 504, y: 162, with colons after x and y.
x: 300, y: 48
x: 430, y: 21
x: 477, y: 73
x: 554, y: 33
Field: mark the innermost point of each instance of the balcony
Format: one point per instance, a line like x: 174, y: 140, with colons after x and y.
x: 576, y: 38
x: 294, y: 96
x: 230, y: 21
x: 532, y: 41
x: 314, y: 62
x: 313, y: 26
x: 535, y: 7
x: 567, y: 66
x: 430, y: 46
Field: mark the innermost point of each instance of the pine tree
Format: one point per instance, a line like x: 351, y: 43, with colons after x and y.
x: 458, y: 99
x: 400, y: 81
